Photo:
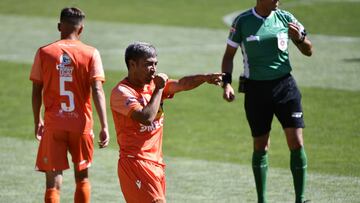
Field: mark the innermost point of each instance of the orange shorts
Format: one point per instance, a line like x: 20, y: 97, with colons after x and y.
x: 52, y: 152
x: 141, y: 181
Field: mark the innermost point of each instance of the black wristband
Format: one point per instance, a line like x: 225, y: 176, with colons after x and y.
x: 302, y: 38
x: 227, y: 78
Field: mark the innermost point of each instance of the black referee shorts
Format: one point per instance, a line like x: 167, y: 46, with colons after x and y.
x: 281, y: 97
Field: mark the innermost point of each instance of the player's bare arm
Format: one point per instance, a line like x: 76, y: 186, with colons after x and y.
x: 100, y: 105
x: 36, y: 106
x: 147, y: 114
x: 227, y: 68
x: 301, y: 41
x: 193, y: 81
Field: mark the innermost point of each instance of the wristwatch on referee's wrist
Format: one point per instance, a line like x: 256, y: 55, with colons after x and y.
x: 301, y: 40
x: 302, y: 37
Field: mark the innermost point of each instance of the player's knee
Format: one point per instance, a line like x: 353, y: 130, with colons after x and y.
x: 81, y: 176
x: 296, y: 145
x: 58, y: 186
x: 261, y: 143
x: 53, y: 179
x: 294, y: 138
x: 54, y: 185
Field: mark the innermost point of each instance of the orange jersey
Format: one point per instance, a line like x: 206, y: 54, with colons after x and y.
x: 66, y: 68
x: 135, y: 139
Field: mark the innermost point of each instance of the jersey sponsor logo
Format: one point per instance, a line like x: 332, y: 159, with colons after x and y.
x: 154, y: 125
x: 65, y: 114
x: 65, y: 59
x: 282, y: 39
x: 297, y: 114
x: 253, y: 38
x: 64, y: 68
x: 138, y: 183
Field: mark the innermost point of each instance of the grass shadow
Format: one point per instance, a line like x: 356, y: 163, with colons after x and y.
x: 352, y: 60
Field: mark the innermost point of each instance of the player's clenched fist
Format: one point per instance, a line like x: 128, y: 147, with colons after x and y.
x: 39, y: 130
x: 160, y: 80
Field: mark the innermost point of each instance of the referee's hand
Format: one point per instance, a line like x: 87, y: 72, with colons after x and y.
x: 294, y: 31
x: 228, y: 94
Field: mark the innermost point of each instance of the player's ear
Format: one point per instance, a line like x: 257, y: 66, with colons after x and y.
x: 59, y: 27
x: 132, y: 63
x: 80, y: 29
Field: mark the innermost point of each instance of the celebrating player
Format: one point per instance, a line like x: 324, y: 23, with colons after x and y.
x: 136, y: 104
x: 64, y: 74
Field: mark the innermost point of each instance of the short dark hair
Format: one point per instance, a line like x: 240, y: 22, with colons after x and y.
x: 72, y: 15
x: 138, y: 50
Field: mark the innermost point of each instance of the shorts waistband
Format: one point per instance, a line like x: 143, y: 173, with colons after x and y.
x: 269, y: 81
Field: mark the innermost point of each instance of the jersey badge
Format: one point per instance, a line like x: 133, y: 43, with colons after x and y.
x: 282, y: 39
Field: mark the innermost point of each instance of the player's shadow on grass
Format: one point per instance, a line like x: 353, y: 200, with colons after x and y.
x: 352, y: 60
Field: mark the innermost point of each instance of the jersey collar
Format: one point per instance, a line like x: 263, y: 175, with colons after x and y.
x: 259, y: 16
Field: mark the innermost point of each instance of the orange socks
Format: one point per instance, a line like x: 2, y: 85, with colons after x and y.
x: 52, y: 195
x: 82, y: 193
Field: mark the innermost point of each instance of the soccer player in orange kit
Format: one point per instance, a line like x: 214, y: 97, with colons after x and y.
x: 64, y: 75
x: 136, y: 104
